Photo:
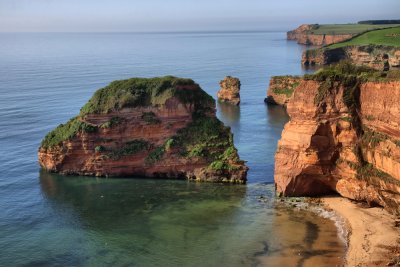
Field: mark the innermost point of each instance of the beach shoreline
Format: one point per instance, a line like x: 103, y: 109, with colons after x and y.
x: 373, y: 239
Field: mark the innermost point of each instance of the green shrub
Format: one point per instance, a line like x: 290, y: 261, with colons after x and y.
x: 169, y: 143
x: 113, y: 122
x: 348, y: 119
x: 155, y: 155
x: 66, y: 132
x: 99, y: 149
x: 199, y: 150
x: 208, y: 138
x: 150, y: 118
x: 129, y: 148
x: 218, y: 165
x: 372, y: 139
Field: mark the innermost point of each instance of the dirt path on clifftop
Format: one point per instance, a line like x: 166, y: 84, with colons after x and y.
x: 374, y: 239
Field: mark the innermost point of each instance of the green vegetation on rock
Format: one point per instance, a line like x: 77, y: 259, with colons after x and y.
x: 380, y: 21
x: 130, y: 148
x: 141, y: 92
x: 354, y: 29
x: 66, y: 131
x: 150, y: 118
x: 208, y: 138
x: 386, y: 37
x: 284, y: 86
x: 111, y: 123
x: 155, y: 155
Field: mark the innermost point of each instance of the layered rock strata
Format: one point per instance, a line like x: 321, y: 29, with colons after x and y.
x: 304, y: 35
x: 374, y: 56
x: 343, y: 136
x: 281, y: 89
x: 230, y: 90
x: 161, y: 127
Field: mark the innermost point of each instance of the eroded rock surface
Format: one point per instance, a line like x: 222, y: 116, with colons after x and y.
x: 161, y: 127
x: 230, y: 90
x: 343, y: 136
x: 374, y: 56
x: 304, y: 35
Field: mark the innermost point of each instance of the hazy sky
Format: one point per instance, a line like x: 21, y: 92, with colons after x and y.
x: 185, y: 15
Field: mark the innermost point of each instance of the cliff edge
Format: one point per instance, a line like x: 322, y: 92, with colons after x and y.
x: 161, y: 127
x: 343, y: 136
x: 379, y: 49
x: 305, y: 35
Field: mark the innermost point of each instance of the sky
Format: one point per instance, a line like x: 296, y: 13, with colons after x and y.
x: 184, y: 15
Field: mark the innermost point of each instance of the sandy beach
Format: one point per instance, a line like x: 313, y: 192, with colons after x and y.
x: 374, y: 239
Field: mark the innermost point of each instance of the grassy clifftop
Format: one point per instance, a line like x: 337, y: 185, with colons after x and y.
x: 137, y: 92
x: 388, y: 37
x: 354, y: 29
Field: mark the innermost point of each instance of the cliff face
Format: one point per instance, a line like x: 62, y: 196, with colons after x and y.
x: 281, y: 89
x: 162, y: 127
x: 230, y: 90
x: 375, y: 56
x: 303, y: 35
x: 342, y: 137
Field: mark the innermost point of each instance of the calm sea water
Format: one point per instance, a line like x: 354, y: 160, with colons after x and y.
x: 51, y: 220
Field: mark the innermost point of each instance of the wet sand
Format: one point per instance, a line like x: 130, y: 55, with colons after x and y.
x: 373, y: 240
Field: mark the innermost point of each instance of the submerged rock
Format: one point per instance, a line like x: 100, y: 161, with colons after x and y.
x: 161, y: 127
x: 230, y: 90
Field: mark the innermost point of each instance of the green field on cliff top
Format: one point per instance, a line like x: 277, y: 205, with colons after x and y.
x: 389, y: 37
x: 336, y: 29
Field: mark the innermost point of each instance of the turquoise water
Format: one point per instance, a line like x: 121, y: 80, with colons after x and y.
x: 51, y: 220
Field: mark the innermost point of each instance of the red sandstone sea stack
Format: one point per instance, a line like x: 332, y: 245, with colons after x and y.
x: 230, y: 90
x: 161, y: 127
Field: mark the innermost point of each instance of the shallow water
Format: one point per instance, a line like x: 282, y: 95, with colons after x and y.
x: 49, y: 220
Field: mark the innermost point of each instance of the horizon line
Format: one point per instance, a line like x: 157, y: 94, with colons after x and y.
x: 155, y: 32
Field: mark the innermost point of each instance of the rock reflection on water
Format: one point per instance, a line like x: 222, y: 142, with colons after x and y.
x: 147, y: 222
x: 230, y: 114
x: 276, y: 115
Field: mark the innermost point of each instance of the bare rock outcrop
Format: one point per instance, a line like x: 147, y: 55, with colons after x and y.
x: 161, y: 127
x: 230, y: 90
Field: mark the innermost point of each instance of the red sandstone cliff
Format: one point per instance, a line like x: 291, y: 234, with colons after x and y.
x: 374, y: 56
x: 230, y: 90
x: 170, y: 138
x: 304, y: 35
x: 343, y: 139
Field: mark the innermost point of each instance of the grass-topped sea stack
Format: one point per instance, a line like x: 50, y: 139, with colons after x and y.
x: 161, y: 127
x: 229, y: 91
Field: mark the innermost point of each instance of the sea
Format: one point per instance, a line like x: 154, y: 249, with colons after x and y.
x: 53, y: 220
